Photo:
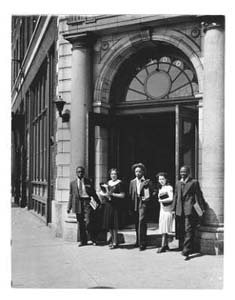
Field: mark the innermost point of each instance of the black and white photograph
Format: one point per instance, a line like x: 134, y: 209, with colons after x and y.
x: 117, y: 150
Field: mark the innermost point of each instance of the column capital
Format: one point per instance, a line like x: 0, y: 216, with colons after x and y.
x: 212, y: 22
x: 80, y: 40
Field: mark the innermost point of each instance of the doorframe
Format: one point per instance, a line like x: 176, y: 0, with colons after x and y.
x: 126, y: 109
x: 191, y: 114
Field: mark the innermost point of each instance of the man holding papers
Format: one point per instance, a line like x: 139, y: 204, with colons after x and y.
x: 188, y: 205
x: 83, y: 201
x: 139, y: 192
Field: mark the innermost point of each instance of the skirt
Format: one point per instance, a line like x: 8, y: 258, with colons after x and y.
x: 165, y: 222
x: 110, y: 217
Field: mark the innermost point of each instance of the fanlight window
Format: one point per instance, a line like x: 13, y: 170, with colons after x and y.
x: 163, y: 78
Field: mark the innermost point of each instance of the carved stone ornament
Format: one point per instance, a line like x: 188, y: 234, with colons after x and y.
x: 195, y: 32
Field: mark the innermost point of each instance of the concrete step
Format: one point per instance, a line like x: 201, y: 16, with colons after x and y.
x: 127, y: 235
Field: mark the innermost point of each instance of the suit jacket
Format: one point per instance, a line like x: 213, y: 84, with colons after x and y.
x: 185, y: 199
x: 133, y: 193
x: 74, y: 198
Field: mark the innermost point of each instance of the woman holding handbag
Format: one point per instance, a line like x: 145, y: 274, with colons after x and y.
x: 165, y: 197
x: 113, y: 193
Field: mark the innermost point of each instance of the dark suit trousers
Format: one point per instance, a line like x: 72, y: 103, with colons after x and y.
x: 141, y: 225
x: 86, y: 222
x: 186, y: 232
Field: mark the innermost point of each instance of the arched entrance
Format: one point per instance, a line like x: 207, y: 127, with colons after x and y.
x: 153, y: 115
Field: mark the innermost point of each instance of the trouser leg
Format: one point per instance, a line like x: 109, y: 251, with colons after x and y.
x: 142, y: 225
x: 136, y: 220
x: 82, y: 236
x: 189, y: 234
x: 89, y: 221
x: 180, y: 230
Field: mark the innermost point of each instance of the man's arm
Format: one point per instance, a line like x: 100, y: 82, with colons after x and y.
x: 175, y: 198
x: 199, y: 196
x: 93, y: 193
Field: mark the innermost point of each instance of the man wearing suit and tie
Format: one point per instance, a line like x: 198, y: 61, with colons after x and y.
x: 139, y: 196
x: 187, y: 193
x: 81, y: 191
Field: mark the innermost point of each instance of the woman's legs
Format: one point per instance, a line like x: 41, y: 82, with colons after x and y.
x: 110, y: 240
x: 164, y: 245
x: 115, y: 237
x: 165, y: 240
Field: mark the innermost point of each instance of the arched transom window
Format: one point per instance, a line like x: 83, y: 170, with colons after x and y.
x: 163, y: 78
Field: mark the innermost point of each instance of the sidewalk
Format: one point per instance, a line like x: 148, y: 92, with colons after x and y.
x: 40, y: 260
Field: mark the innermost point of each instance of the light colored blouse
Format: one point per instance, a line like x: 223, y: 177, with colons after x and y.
x: 166, y: 189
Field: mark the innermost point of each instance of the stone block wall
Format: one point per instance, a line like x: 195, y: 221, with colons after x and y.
x: 63, y: 135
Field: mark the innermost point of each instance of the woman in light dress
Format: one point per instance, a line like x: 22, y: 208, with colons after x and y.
x: 165, y: 197
x: 113, y: 193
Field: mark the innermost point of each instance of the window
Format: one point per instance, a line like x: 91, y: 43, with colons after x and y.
x: 163, y: 78
x: 39, y: 141
x: 156, y: 73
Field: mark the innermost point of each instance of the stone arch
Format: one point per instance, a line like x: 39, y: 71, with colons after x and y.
x: 130, y: 44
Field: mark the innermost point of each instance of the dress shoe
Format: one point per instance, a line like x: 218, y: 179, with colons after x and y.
x: 94, y: 243
x: 80, y: 244
x: 142, y: 247
x: 114, y: 246
x: 185, y: 253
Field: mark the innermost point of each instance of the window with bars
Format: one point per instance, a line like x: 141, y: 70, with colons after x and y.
x: 39, y: 139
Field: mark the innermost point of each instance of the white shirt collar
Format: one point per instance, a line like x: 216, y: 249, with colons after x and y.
x: 112, y: 183
x: 141, y: 179
x: 184, y: 181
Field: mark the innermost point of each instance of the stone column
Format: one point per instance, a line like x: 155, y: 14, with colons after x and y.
x: 81, y: 102
x: 211, y: 234
x: 101, y: 155
x: 81, y: 99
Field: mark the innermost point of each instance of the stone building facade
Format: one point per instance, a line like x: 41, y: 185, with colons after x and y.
x: 144, y: 88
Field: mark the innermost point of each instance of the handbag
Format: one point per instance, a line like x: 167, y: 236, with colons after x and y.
x: 165, y: 196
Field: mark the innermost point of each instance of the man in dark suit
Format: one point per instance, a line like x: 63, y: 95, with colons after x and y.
x: 81, y: 191
x: 139, y: 196
x: 187, y: 193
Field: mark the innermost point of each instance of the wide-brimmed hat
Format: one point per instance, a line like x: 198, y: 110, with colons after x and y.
x: 139, y: 165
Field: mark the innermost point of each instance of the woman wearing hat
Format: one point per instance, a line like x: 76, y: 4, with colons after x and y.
x: 139, y: 192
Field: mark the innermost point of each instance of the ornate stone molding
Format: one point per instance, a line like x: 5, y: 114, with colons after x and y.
x: 212, y: 22
x: 83, y: 40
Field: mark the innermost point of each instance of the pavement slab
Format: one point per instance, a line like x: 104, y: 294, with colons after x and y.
x: 40, y: 260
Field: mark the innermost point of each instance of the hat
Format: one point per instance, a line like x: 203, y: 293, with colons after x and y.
x: 139, y: 165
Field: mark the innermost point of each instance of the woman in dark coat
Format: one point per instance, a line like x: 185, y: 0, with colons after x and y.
x: 113, y: 193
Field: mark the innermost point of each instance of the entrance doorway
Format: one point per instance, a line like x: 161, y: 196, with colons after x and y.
x: 149, y: 139
x: 162, y: 141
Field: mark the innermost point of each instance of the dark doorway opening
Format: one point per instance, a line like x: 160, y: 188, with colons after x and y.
x: 149, y: 139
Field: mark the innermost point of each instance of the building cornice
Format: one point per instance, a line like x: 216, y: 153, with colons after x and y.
x: 106, y: 24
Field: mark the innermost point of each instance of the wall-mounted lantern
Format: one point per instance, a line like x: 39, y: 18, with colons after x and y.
x: 60, y: 106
